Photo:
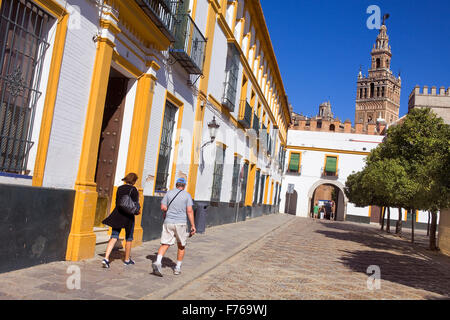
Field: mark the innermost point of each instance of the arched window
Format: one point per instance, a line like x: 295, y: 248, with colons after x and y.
x: 378, y: 63
x: 332, y: 127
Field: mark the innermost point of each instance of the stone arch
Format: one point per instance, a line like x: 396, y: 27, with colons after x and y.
x: 337, y: 184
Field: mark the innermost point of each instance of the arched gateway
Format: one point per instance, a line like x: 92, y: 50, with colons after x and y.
x: 341, y: 203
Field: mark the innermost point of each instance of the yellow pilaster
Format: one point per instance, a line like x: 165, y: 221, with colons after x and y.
x: 250, y: 185
x: 81, y: 243
x: 138, y: 142
x: 271, y: 194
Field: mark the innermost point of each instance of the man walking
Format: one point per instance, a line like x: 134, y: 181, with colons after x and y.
x: 176, y: 204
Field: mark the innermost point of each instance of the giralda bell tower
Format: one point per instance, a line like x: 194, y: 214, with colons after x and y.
x: 378, y: 94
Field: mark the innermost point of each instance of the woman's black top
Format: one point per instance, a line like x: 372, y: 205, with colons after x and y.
x: 119, y: 219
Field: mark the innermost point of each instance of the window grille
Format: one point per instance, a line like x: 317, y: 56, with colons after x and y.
x: 236, y: 167
x: 261, y: 193
x: 231, y: 80
x: 23, y: 44
x: 218, y: 174
x: 165, y: 148
x: 258, y: 175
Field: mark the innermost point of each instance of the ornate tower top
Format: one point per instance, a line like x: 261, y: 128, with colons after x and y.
x: 378, y: 94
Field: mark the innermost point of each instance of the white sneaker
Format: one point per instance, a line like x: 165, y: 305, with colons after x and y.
x: 157, y: 269
x: 176, y: 271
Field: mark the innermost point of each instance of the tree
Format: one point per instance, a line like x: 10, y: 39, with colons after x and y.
x: 422, y: 142
x: 409, y: 169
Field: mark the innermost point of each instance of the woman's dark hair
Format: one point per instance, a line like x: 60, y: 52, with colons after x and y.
x: 130, y: 178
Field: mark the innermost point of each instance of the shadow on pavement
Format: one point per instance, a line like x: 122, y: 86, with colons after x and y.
x: 365, y: 237
x: 406, y: 270
x: 398, y: 260
x: 166, y: 262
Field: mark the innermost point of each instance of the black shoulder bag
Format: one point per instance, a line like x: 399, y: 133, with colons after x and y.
x: 127, y: 205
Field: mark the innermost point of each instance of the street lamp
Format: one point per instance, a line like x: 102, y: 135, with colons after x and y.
x: 212, y: 127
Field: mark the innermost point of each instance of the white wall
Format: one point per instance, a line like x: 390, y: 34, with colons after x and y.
x: 71, y: 101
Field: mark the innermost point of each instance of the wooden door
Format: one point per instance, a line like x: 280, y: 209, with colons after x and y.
x: 109, y: 143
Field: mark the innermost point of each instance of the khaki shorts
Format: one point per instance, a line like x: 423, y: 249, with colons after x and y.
x: 172, y: 232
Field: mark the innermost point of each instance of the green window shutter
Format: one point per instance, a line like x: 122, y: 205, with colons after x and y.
x: 330, y: 165
x: 294, y: 162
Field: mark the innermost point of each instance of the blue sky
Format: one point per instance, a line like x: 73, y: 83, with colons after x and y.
x: 320, y: 46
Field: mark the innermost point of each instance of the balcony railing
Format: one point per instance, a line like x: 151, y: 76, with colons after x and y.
x: 329, y: 174
x: 294, y: 173
x: 256, y: 124
x: 162, y: 13
x: 245, y: 114
x: 190, y: 44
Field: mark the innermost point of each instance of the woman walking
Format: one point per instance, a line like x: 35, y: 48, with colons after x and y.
x: 119, y: 219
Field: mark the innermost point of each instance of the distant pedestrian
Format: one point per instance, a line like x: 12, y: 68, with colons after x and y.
x: 119, y: 219
x: 322, y: 212
x: 176, y: 204
x: 316, y: 211
x: 333, y: 208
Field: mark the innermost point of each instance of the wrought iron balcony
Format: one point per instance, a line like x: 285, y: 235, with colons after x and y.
x: 294, y: 173
x: 162, y: 13
x: 245, y: 114
x: 189, y: 46
x: 329, y: 174
x: 256, y: 124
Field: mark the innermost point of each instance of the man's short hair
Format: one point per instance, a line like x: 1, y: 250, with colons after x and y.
x: 180, y: 185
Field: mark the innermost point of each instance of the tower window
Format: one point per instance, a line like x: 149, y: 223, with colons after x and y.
x: 378, y: 63
x: 372, y: 90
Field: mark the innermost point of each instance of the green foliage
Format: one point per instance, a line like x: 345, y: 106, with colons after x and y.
x: 409, y: 169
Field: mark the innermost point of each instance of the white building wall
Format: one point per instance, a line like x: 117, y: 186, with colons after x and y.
x: 218, y: 63
x: 71, y: 101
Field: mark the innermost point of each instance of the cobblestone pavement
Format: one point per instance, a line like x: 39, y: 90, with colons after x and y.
x: 203, y: 253
x: 272, y: 257
x: 326, y: 260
